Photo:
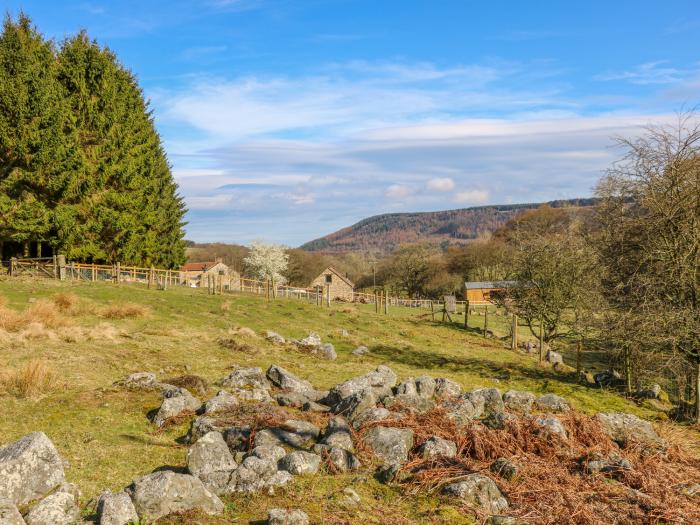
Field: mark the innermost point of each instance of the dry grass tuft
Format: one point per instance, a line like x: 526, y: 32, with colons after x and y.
x: 66, y: 302
x: 226, y: 306
x: 124, y: 311
x: 33, y: 380
x: 551, y: 486
x: 243, y: 331
x: 43, y: 313
x: 232, y: 344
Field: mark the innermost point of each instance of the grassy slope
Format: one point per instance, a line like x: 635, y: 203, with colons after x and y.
x: 103, y: 431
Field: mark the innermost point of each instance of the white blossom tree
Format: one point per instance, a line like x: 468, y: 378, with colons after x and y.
x: 267, y: 261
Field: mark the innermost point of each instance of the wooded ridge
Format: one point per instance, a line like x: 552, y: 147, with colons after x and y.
x: 383, y: 233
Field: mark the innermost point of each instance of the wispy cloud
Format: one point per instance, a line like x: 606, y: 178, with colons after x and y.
x: 441, y: 184
x: 650, y: 73
x: 193, y: 53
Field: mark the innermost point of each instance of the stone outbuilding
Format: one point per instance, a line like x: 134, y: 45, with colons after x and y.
x: 341, y: 287
x: 196, y: 273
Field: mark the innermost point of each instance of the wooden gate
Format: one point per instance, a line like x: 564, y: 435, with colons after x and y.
x: 43, y: 267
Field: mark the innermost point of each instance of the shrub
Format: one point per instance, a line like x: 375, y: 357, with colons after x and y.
x: 65, y: 301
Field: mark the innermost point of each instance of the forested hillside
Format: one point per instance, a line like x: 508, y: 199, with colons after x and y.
x: 383, y: 233
x: 82, y: 168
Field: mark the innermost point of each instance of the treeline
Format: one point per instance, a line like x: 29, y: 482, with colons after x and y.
x: 82, y: 168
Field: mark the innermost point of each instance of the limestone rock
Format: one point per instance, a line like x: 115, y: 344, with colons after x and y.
x: 221, y: 402
x: 550, y: 426
x: 407, y: 387
x: 300, y: 462
x: 504, y: 468
x: 202, y: 425
x: 291, y: 399
x: 274, y: 337
x: 59, y: 508
x: 211, y: 461
x: 337, y: 434
x: 237, y: 438
x: 447, y: 388
x: 141, y: 381
x: 518, y: 401
x: 9, y: 514
x: 162, y: 493
x: 176, y: 406
x: 115, y: 509
x: 412, y: 402
x: 391, y: 445
x: 437, y: 446
x: 552, y: 403
x: 29, y: 468
x: 486, y: 400
x: 612, y: 465
x: 285, y: 380
x: 625, y: 428
x: 380, y: 381
x: 356, y: 403
x: 312, y: 340
x: 296, y: 433
x: 498, y: 420
x: 287, y: 517
x: 271, y: 453
x: 370, y: 416
x: 479, y: 491
x: 462, y: 410
x: 360, y: 350
x: 326, y: 351
x: 246, y: 378
x: 343, y: 460
x: 426, y: 386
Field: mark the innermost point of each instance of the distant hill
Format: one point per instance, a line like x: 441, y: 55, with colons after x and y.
x: 382, y: 233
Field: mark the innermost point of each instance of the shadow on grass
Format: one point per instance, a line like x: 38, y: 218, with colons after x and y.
x: 486, y: 368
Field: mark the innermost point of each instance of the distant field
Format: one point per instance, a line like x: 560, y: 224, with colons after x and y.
x: 108, y: 331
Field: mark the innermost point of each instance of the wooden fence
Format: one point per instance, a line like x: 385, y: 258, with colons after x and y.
x: 58, y: 268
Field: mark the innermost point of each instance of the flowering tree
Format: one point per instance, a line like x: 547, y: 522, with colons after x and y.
x: 267, y: 261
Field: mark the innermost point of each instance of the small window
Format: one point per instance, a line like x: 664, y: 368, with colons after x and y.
x: 221, y: 272
x: 329, y: 278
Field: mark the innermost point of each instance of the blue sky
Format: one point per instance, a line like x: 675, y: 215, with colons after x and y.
x: 285, y: 120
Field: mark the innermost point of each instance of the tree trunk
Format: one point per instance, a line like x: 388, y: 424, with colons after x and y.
x: 697, y: 389
x: 541, y: 360
x: 578, y: 359
x: 26, y: 249
x: 628, y: 371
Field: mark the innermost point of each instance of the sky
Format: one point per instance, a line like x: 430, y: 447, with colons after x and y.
x: 285, y: 120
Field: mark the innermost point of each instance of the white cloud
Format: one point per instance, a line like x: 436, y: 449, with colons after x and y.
x: 441, y: 184
x: 650, y: 73
x: 397, y: 191
x: 472, y: 197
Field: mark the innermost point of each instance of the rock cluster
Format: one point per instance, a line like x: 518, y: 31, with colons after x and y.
x: 226, y: 459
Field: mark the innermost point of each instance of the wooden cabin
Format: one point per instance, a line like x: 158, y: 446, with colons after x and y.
x: 480, y: 292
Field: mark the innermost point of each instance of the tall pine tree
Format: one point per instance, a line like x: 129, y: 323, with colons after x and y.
x: 81, y: 163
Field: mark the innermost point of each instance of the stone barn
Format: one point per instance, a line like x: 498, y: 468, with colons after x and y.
x: 341, y: 287
x: 196, y: 274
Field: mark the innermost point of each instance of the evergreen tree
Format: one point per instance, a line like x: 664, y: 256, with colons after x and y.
x: 37, y: 154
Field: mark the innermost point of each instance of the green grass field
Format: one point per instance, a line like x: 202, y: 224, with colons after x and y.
x: 103, y: 431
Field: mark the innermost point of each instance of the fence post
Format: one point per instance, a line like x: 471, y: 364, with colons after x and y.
x: 13, y: 262
x: 328, y: 295
x: 432, y: 311
x: 119, y: 272
x: 514, y: 340
x: 486, y: 319
x: 61, y: 259
x: 386, y: 302
x: 466, y: 314
x: 55, y: 267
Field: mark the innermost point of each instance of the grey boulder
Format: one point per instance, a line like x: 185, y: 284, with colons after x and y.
x: 274, y: 337
x: 552, y: 403
x: 486, y: 401
x: 212, y: 462
x: 285, y: 380
x: 141, y: 381
x: 625, y: 428
x: 447, y: 388
x: 287, y: 517
x: 176, y: 406
x: 337, y: 434
x: 161, y: 493
x: 360, y: 350
x: 356, y: 403
x: 480, y: 491
x: 518, y: 401
x: 300, y: 462
x: 326, y: 351
x: 380, y: 381
x: 9, y: 514
x: 246, y: 378
x: 29, y: 468
x: 115, y: 509
x: 391, y: 445
x: 59, y: 508
x: 550, y: 427
x: 221, y: 402
x: 436, y: 446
